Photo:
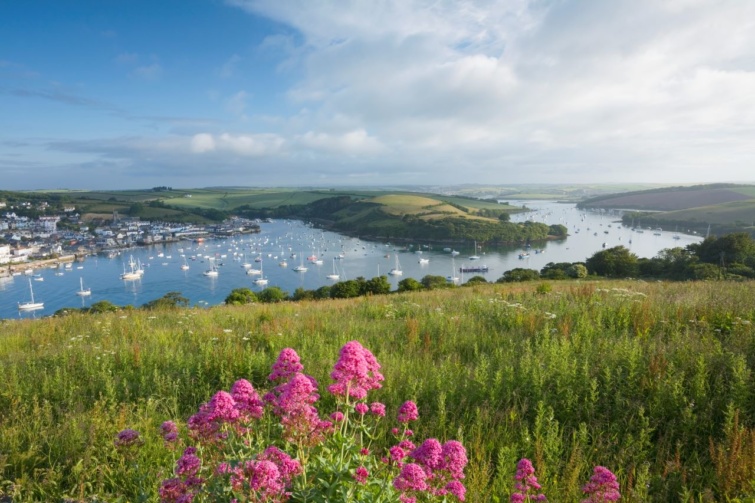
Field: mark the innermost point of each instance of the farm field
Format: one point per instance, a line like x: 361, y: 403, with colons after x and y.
x: 652, y: 380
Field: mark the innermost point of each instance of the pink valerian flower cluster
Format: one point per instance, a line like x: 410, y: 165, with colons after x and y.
x: 267, y: 477
x: 169, y: 432
x: 127, y: 438
x: 300, y: 420
x: 361, y: 474
x: 408, y: 412
x: 187, y: 484
x: 442, y: 466
x: 287, y: 364
x: 355, y: 373
x: 526, y: 486
x: 241, y: 405
x: 247, y: 400
x: 602, y: 486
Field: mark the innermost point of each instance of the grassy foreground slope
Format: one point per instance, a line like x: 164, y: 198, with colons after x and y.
x: 653, y: 380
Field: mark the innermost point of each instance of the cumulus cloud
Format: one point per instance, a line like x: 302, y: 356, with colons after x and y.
x: 356, y: 142
x: 247, y: 145
x: 525, y: 82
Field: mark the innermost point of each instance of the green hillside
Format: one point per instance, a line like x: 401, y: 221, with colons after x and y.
x: 717, y: 208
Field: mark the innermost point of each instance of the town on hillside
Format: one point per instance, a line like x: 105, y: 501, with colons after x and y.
x: 30, y: 242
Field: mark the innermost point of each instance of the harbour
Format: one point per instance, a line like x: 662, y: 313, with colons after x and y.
x: 282, y: 246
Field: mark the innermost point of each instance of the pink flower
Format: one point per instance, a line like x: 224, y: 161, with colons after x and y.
x: 127, y: 438
x: 222, y: 408
x: 361, y: 408
x: 408, y: 412
x: 377, y: 409
x: 361, y: 474
x: 602, y: 487
x: 526, y: 483
x: 298, y: 393
x: 287, y: 364
x: 411, y: 478
x: 364, y: 451
x: 264, y: 477
x: 457, y: 489
x: 288, y: 467
x: 337, y: 416
x: 188, y: 464
x: 168, y: 427
x: 206, y: 423
x: 247, y: 399
x: 397, y: 454
x: 356, y: 372
x: 172, y: 490
x: 429, y: 455
x: 454, y: 458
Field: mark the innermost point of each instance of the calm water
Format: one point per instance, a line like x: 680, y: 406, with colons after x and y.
x: 281, y: 239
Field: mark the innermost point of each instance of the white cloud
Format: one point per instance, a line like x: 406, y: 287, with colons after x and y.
x: 247, y: 145
x: 497, y: 84
x: 356, y: 142
x: 202, y: 142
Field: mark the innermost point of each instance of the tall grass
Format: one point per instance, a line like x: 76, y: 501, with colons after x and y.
x: 653, y: 380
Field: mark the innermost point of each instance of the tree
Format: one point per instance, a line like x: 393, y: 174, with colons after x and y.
x: 170, y: 300
x: 409, y: 285
x: 518, y: 274
x: 558, y: 231
x: 577, y: 271
x: 272, y: 294
x: 240, y: 296
x: 103, y: 306
x: 378, y: 285
x: 553, y: 270
x: 432, y: 282
x: 345, y: 289
x: 616, y: 262
x: 736, y: 248
x: 475, y: 280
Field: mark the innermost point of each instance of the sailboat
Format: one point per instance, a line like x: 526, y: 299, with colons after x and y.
x: 212, y: 272
x: 396, y: 271
x: 474, y: 256
x: 335, y: 276
x: 453, y: 278
x: 31, y: 305
x: 83, y: 292
x: 300, y: 267
x: 185, y: 265
x: 261, y: 281
x: 135, y: 270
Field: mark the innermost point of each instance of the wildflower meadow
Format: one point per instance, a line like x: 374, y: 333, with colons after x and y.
x: 584, y: 392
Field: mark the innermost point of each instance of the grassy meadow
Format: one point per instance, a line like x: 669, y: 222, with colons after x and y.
x: 655, y: 381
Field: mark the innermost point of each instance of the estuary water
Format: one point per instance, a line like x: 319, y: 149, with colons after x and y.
x: 282, y: 245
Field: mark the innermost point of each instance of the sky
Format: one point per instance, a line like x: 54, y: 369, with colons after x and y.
x: 120, y: 94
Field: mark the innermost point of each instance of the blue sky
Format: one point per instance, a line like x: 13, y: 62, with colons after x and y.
x: 107, y: 94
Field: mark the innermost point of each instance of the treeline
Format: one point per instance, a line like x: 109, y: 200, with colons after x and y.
x: 729, y: 257
x: 658, y: 220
